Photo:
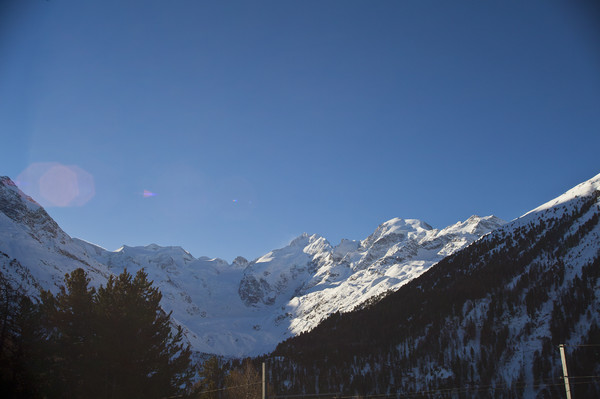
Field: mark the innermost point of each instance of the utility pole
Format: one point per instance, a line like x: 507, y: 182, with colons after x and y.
x: 264, y: 381
x: 563, y: 359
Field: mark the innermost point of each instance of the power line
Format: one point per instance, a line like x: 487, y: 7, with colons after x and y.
x: 220, y: 389
x: 473, y: 389
x: 593, y: 379
x: 311, y: 395
x: 459, y: 389
x: 585, y: 376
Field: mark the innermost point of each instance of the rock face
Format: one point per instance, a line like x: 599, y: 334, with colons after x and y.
x: 243, y: 308
x: 22, y: 209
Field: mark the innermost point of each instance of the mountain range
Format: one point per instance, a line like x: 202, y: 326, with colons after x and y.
x: 246, y: 307
x: 475, y: 309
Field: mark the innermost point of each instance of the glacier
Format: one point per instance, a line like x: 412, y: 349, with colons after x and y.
x: 247, y: 307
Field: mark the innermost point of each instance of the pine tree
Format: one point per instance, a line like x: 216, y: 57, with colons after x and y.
x: 116, y: 342
x: 139, y: 355
x: 70, y: 323
x: 21, y: 340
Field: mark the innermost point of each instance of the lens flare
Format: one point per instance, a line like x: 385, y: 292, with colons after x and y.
x: 59, y: 185
x: 55, y: 184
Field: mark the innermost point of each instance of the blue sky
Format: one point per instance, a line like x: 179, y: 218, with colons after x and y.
x: 248, y: 123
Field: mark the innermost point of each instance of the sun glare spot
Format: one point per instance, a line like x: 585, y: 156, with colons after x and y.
x: 54, y: 184
x: 59, y: 185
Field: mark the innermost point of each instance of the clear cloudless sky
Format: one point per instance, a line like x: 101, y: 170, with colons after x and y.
x: 230, y: 127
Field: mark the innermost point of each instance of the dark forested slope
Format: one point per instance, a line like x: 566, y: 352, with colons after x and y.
x: 488, y: 319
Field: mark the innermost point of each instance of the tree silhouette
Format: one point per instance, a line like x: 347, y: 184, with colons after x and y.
x: 21, y: 346
x: 115, y: 342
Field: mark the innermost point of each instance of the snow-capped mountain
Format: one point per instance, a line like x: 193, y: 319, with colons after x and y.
x: 484, y: 321
x: 243, y: 308
x: 310, y: 279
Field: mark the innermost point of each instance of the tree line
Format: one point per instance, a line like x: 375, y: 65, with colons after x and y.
x: 112, y: 342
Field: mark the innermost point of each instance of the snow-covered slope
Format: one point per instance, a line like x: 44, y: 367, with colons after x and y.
x: 243, y: 308
x: 486, y: 320
x: 585, y: 189
x: 310, y: 279
x: 34, y: 252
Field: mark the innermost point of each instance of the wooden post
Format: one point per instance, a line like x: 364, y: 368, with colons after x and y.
x: 264, y: 382
x: 563, y: 359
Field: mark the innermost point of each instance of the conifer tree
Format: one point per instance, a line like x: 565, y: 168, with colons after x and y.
x: 116, y: 342
x: 138, y: 354
x: 69, y: 321
x: 21, y: 341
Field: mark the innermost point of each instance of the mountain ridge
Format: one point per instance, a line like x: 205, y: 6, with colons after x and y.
x: 486, y: 320
x: 245, y: 307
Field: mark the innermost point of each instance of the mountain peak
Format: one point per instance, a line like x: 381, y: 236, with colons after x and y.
x: 476, y: 225
x: 8, y: 188
x: 397, y: 225
x: 581, y: 190
x: 301, y: 240
x: 6, y: 181
x: 240, y: 262
x: 304, y: 239
x: 22, y: 209
x: 396, y: 229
